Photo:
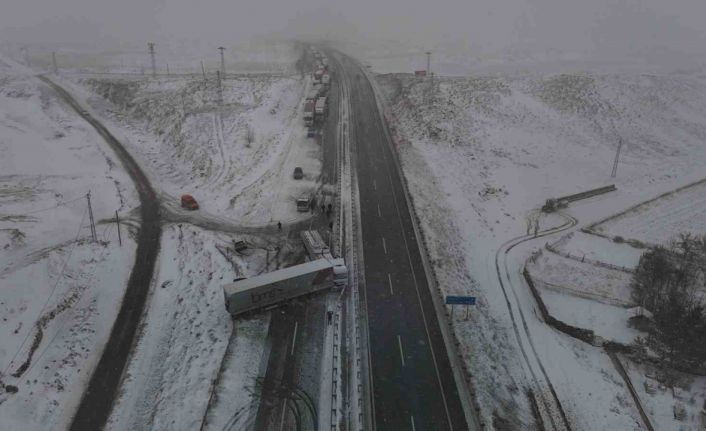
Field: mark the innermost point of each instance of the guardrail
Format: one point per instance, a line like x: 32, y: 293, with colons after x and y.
x: 461, y: 373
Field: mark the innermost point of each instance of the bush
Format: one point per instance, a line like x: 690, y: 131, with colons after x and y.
x: 667, y: 282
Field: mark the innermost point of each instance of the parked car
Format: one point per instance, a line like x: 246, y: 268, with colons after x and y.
x: 298, y: 173
x: 188, y: 202
x: 311, y: 132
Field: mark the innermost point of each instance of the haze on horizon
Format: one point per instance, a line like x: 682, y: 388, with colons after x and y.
x: 647, y: 30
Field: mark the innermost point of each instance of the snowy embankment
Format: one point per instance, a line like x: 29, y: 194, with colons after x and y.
x: 481, y: 153
x: 183, y: 338
x: 59, y: 290
x: 235, y: 158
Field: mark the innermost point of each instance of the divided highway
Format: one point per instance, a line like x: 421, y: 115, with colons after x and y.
x: 411, y: 380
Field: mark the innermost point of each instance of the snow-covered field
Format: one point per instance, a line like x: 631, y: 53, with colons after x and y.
x: 662, y: 220
x: 184, y: 336
x: 481, y: 153
x: 192, y: 145
x: 59, y: 291
x: 581, y: 279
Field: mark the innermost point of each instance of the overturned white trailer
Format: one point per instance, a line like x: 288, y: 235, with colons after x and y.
x: 272, y: 288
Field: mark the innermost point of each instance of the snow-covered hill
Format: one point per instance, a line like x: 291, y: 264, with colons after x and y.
x: 481, y: 154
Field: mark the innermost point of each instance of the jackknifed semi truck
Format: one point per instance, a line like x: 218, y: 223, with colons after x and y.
x: 251, y: 294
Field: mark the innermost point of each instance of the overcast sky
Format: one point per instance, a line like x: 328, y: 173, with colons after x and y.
x: 611, y: 28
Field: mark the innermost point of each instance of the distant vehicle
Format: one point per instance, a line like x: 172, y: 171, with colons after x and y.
x: 311, y: 132
x: 303, y: 203
x: 315, y: 246
x: 298, y: 173
x: 420, y: 73
x: 276, y: 287
x: 320, y: 107
x: 309, y: 113
x: 326, y: 79
x: 188, y: 202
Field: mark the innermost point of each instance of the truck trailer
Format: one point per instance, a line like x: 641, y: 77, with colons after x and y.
x: 320, y: 107
x: 284, y: 284
x: 309, y: 113
x: 315, y: 246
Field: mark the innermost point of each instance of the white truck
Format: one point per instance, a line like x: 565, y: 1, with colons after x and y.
x: 275, y: 287
x: 326, y: 79
x: 315, y: 246
x: 320, y: 107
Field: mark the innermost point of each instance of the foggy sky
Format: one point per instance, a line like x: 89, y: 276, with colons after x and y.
x: 591, y: 28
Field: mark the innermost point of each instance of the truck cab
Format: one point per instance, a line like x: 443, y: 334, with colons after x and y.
x: 340, y: 273
x: 303, y: 203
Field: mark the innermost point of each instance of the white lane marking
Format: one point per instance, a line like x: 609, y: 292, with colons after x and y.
x: 399, y: 341
x: 384, y: 246
x: 412, y: 419
x: 375, y: 185
x: 389, y: 280
x: 379, y: 215
x: 419, y: 298
x: 294, y: 338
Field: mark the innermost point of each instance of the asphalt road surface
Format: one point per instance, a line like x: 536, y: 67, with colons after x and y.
x: 412, y: 384
x: 296, y: 332
x: 98, y: 397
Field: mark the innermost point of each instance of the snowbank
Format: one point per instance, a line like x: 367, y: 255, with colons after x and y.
x: 59, y: 291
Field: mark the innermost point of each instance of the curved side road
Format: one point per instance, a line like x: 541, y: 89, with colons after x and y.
x: 98, y: 398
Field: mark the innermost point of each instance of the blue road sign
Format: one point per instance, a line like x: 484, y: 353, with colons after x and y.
x: 462, y: 300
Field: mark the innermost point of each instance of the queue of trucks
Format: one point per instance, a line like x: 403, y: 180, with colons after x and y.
x: 316, y: 102
x: 322, y: 271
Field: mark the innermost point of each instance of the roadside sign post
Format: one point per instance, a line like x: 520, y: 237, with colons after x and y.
x: 460, y: 300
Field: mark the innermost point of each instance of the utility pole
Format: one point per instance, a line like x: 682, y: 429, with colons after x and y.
x: 90, y: 217
x: 117, y: 221
x: 223, y: 62
x: 428, y: 62
x: 150, y: 46
x: 167, y: 69
x: 220, y: 89
x: 53, y: 60
x: 617, y: 156
x: 203, y: 70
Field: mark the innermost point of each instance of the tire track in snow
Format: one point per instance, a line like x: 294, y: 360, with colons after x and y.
x: 551, y: 407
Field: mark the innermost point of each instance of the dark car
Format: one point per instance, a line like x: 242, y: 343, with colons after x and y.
x: 311, y: 132
x: 298, y: 173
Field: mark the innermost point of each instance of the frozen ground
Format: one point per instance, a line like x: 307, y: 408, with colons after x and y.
x: 659, y: 401
x: 186, y: 332
x: 581, y: 279
x: 661, y: 221
x: 599, y: 249
x: 480, y: 153
x: 191, y: 144
x: 59, y: 291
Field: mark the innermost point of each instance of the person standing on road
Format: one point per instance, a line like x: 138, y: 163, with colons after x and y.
x: 279, y: 226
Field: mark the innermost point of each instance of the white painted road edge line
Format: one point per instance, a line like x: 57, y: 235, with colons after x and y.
x: 379, y: 215
x: 399, y: 341
x: 294, y: 338
x: 384, y: 246
x: 389, y: 281
x: 375, y: 185
x: 412, y: 419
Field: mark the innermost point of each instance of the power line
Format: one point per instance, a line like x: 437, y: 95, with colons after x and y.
x: 59, y: 278
x: 51, y: 208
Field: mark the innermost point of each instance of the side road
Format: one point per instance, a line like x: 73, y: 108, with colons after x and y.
x: 98, y: 397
